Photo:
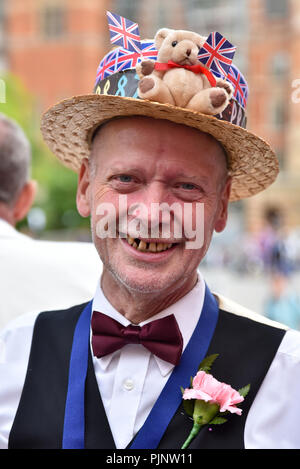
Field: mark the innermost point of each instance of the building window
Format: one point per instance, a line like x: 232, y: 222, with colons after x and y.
x: 279, y: 65
x: 278, y: 113
x: 53, y: 22
x: 280, y: 156
x: 128, y: 9
x: 277, y: 8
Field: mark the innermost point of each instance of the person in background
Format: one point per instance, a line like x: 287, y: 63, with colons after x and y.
x: 34, y: 272
x: 283, y: 304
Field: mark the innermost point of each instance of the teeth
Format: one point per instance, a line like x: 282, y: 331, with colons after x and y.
x: 152, y: 247
x: 160, y: 247
x: 142, y: 246
x: 148, y: 247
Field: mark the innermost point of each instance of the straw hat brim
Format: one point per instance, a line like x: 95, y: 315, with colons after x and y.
x: 68, y: 126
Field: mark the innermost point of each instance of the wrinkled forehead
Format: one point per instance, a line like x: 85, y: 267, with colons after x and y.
x: 135, y: 131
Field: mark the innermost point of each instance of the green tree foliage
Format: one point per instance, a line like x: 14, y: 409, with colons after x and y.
x: 56, y: 184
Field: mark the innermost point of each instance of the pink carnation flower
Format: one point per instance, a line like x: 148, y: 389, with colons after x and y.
x: 207, y: 388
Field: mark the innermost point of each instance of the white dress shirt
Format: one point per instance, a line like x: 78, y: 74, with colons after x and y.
x: 39, y: 275
x: 130, y: 382
x: 131, y: 379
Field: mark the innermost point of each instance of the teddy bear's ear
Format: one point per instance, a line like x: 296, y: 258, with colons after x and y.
x: 160, y: 36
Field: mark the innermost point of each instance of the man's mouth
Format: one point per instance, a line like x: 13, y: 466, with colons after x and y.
x: 151, y: 246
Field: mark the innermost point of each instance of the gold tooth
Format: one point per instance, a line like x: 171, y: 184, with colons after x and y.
x: 130, y: 240
x: 135, y: 245
x: 142, y: 246
x: 152, y: 247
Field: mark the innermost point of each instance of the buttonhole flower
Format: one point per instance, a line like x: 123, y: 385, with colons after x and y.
x: 208, y: 400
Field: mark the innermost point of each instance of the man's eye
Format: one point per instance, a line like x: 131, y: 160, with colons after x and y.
x: 124, y: 183
x: 124, y: 178
x: 187, y: 186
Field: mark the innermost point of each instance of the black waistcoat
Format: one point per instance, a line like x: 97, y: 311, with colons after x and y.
x: 246, y: 349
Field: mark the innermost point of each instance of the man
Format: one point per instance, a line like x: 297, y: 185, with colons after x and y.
x: 34, y: 273
x: 93, y: 382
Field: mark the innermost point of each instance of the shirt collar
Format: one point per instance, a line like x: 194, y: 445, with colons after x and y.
x: 8, y: 231
x: 186, y: 310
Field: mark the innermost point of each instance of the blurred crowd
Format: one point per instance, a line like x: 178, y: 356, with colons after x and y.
x: 273, y: 247
x: 271, y: 255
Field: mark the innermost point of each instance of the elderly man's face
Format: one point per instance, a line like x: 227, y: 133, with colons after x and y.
x: 153, y: 161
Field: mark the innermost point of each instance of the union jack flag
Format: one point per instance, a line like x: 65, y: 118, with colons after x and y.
x: 122, y: 59
x: 217, y: 53
x: 123, y: 32
x: 126, y: 60
x: 239, y: 84
x: 148, y: 50
x: 107, y: 65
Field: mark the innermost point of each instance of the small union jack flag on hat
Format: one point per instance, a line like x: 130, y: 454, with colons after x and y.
x: 121, y: 59
x: 240, y: 85
x: 127, y: 59
x: 107, y: 65
x: 148, y: 50
x: 217, y: 53
x: 123, y: 32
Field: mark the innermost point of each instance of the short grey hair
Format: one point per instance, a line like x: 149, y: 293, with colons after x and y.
x: 15, y: 159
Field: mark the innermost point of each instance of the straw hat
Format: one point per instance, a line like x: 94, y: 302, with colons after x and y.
x: 68, y: 126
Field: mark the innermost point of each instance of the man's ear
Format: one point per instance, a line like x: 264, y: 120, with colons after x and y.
x: 83, y: 190
x: 223, y: 211
x: 160, y: 36
x: 24, y: 201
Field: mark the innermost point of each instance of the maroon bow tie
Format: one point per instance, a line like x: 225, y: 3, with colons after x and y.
x: 162, y: 337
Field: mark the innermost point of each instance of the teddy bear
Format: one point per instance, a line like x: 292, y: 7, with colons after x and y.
x: 177, y: 85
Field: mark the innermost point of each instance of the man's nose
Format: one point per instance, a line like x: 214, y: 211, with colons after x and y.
x: 155, y: 192
x: 147, y: 207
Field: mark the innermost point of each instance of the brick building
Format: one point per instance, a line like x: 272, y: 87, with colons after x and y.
x: 274, y: 113
x: 54, y: 45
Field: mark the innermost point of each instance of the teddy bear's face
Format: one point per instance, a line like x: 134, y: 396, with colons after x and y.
x: 182, y: 47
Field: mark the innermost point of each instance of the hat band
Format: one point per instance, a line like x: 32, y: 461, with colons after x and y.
x: 125, y: 84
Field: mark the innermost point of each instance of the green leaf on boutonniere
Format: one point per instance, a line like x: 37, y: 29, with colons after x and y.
x: 218, y: 421
x: 207, y: 363
x: 188, y: 404
x: 244, y: 391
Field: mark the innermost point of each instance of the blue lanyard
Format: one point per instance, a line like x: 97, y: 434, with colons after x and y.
x: 170, y: 398
x: 74, y: 422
